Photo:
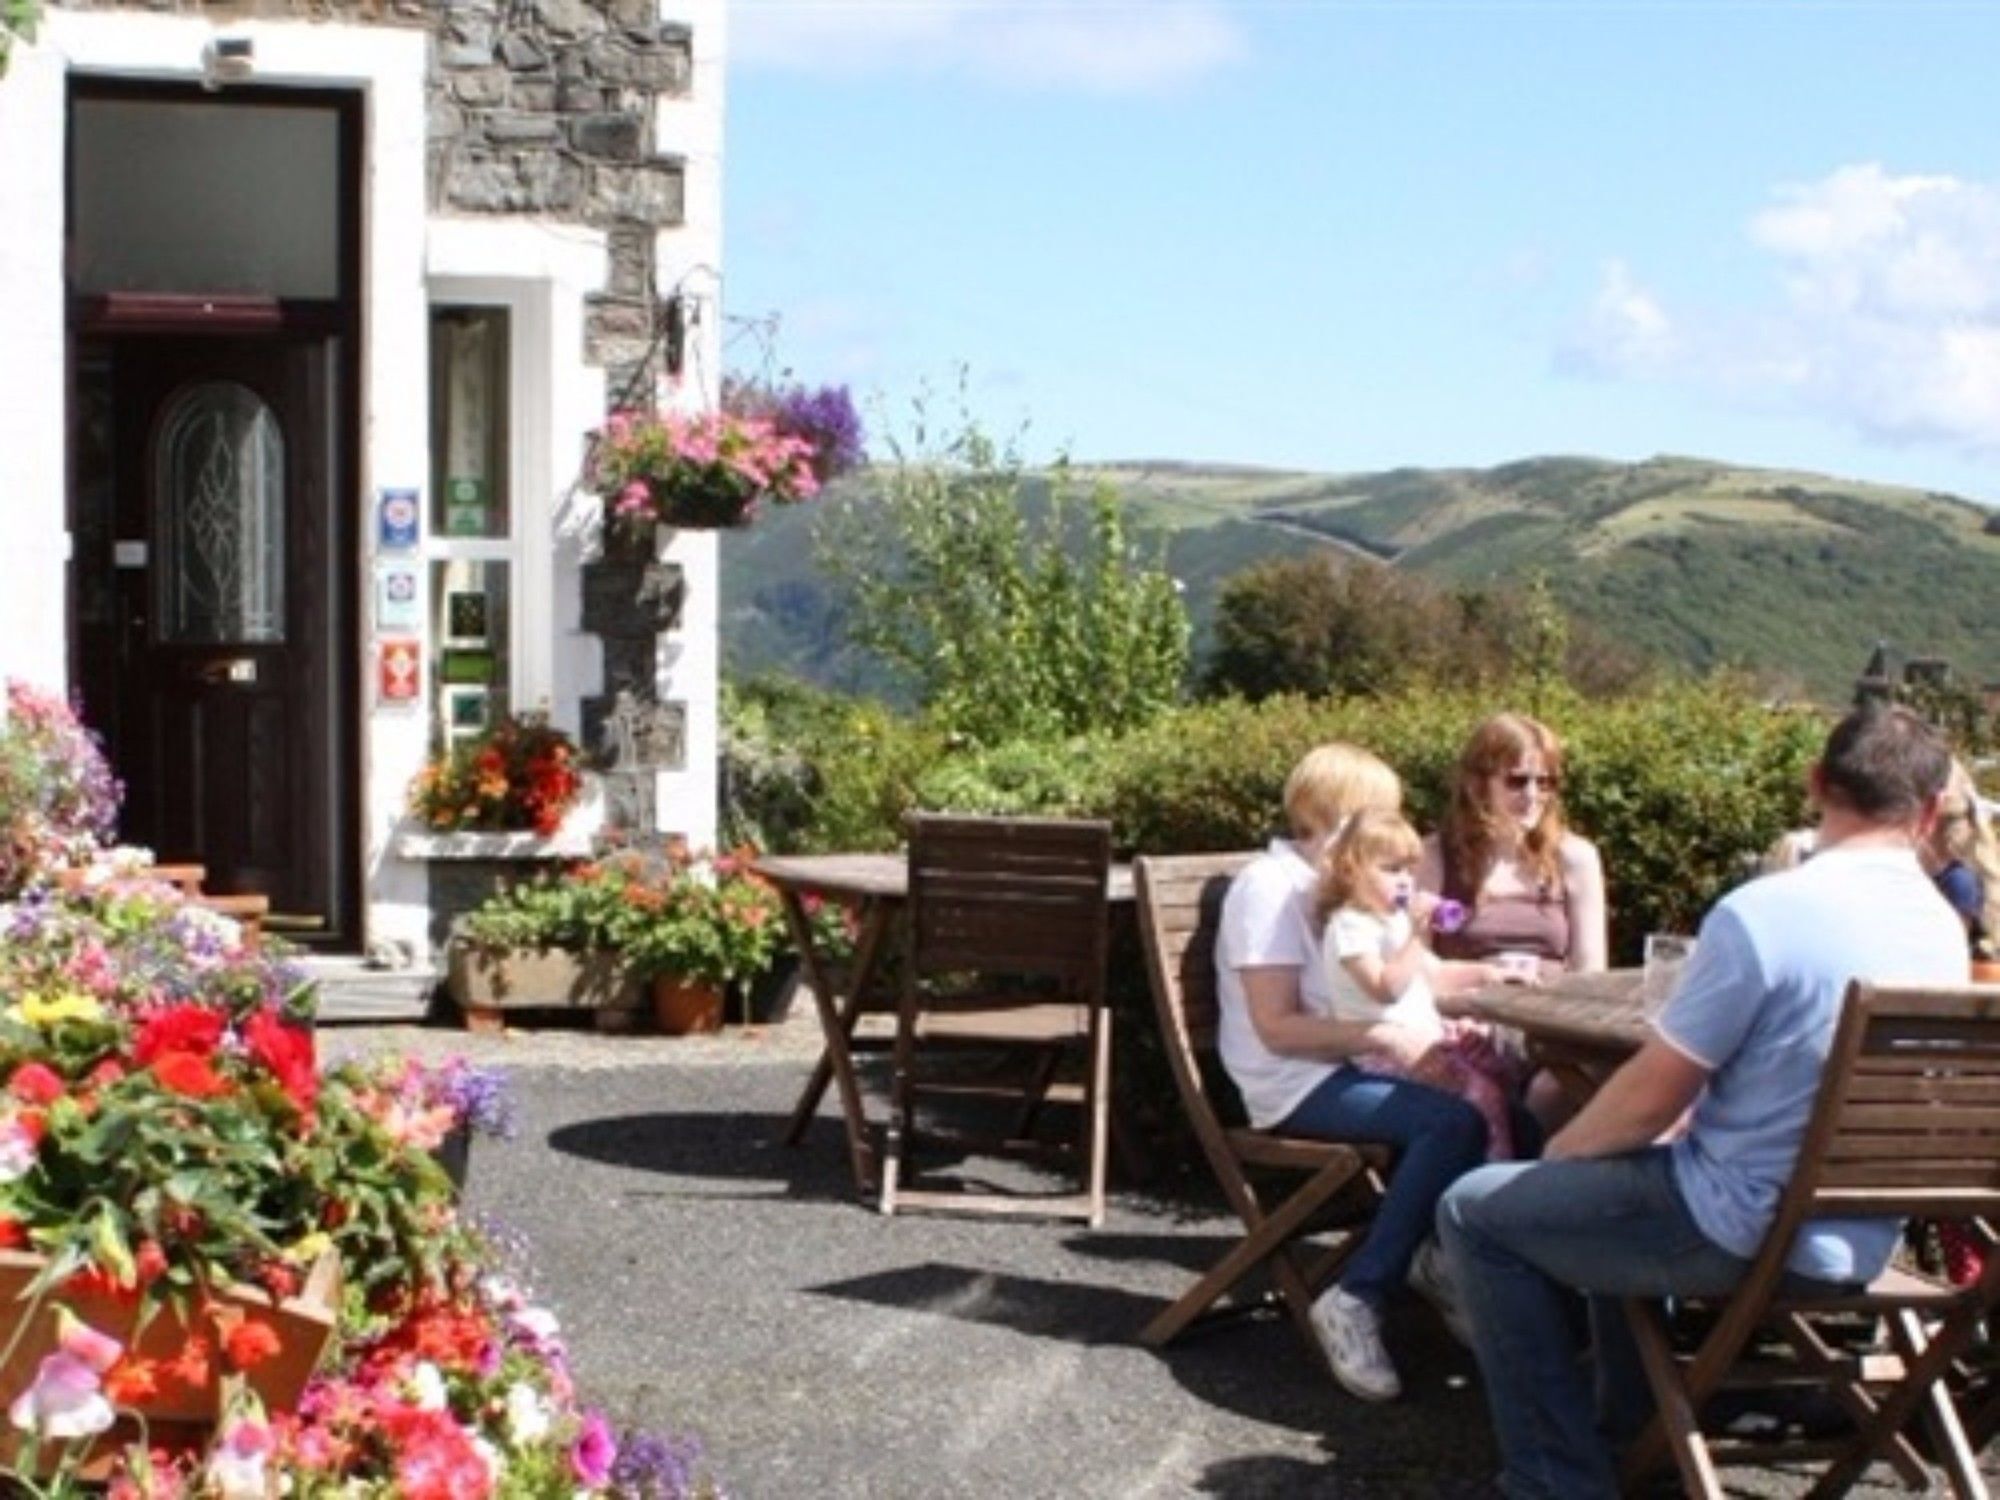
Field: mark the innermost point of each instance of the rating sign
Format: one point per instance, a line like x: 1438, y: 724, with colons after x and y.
x: 396, y: 671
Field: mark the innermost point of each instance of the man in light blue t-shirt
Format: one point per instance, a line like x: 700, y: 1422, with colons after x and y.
x: 1738, y: 1051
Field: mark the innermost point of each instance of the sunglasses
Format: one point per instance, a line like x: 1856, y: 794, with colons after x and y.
x: 1520, y: 781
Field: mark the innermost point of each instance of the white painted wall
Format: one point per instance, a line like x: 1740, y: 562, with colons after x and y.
x: 690, y: 259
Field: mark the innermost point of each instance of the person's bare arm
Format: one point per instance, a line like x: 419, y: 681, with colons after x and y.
x: 1286, y: 1028
x: 1637, y: 1104
x: 1583, y: 887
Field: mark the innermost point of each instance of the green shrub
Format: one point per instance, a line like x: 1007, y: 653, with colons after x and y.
x: 1067, y: 778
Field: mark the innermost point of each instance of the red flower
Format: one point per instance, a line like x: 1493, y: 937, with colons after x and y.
x: 132, y: 1380
x: 13, y: 1233
x: 105, y: 1073
x: 288, y: 1052
x: 246, y: 1341
x: 36, y: 1083
x: 179, y: 1028
x: 192, y: 1366
x: 150, y: 1261
x: 189, y: 1074
x: 435, y: 1460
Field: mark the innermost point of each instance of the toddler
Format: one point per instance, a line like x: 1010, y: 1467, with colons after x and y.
x: 1380, y: 970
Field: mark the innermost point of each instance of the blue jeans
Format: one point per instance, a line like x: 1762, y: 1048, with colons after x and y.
x: 1437, y: 1138
x: 1518, y: 1238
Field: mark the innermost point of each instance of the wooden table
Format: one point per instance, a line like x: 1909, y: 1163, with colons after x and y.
x: 1578, y: 1026
x: 876, y: 885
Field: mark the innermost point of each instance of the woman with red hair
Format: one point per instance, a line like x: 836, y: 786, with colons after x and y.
x: 1528, y: 884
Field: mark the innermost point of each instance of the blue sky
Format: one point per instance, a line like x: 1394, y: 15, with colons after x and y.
x: 1351, y: 236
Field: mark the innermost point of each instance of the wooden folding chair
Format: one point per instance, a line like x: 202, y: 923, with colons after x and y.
x: 1180, y: 906
x: 1907, y: 1123
x: 1008, y: 929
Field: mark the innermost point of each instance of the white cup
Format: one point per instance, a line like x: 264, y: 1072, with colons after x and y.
x: 1667, y: 954
x: 1518, y: 968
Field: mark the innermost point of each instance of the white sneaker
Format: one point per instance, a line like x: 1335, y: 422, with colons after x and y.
x: 1430, y: 1280
x: 1350, y: 1331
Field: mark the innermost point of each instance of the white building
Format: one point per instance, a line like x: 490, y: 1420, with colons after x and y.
x: 307, y: 310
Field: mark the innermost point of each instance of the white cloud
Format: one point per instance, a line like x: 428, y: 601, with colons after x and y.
x: 1627, y: 331
x: 1096, y: 46
x: 1886, y: 317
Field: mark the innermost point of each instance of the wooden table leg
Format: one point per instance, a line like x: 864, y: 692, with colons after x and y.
x: 838, y: 1014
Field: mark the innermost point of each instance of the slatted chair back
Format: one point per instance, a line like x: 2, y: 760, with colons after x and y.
x: 1906, y: 1124
x: 1009, y: 930
x: 1180, y: 911
x: 1180, y: 901
x: 1013, y: 896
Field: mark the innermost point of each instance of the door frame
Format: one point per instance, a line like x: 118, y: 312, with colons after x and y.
x: 340, y: 320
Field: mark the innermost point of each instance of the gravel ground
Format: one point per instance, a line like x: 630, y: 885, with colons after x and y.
x: 714, y: 1282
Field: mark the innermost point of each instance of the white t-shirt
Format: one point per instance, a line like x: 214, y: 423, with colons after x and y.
x: 1353, y: 932
x: 1267, y: 922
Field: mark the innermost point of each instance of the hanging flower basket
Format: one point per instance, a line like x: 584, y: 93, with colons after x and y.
x: 715, y: 469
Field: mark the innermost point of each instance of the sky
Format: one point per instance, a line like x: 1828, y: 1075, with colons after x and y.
x: 1346, y: 236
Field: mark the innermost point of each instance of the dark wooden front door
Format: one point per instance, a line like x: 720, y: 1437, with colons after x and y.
x: 214, y: 660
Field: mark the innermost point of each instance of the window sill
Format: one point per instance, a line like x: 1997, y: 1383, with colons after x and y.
x: 565, y: 843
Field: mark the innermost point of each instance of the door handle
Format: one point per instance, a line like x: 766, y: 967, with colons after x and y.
x: 231, y: 669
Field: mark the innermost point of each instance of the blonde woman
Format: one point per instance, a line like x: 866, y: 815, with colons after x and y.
x: 1289, y: 1056
x: 1529, y: 885
x: 1962, y: 854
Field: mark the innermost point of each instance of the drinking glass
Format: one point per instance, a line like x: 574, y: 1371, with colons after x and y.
x: 1667, y: 954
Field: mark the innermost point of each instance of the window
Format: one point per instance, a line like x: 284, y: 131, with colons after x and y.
x: 471, y: 522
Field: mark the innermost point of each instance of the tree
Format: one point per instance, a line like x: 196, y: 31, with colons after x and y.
x: 18, y: 18
x: 1011, y: 616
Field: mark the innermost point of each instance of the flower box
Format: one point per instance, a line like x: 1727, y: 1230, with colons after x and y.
x: 483, y: 982
x: 304, y: 1325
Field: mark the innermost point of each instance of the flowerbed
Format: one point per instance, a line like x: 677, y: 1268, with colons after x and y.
x: 173, y: 1157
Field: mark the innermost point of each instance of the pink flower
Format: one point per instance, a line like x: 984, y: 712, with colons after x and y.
x: 594, y: 1452
x: 236, y: 1465
x: 76, y: 1338
x: 36, y: 1083
x: 20, y: 1144
x: 67, y: 1398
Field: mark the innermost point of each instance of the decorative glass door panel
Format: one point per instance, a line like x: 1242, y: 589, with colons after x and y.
x: 220, y: 497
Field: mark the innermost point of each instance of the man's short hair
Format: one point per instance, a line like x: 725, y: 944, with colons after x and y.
x: 1884, y: 763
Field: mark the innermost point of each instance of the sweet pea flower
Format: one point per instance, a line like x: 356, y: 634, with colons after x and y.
x: 238, y: 1462
x: 1448, y: 915
x: 66, y: 1399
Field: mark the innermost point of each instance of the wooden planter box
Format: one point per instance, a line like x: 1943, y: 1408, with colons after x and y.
x: 484, y: 983
x: 304, y: 1324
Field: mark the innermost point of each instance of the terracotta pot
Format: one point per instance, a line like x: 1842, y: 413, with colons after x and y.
x: 304, y: 1325
x: 683, y: 1008
x: 1986, y: 971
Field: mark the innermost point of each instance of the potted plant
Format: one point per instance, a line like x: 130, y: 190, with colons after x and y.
x: 708, y: 469
x: 554, y: 940
x: 695, y: 925
x: 522, y: 774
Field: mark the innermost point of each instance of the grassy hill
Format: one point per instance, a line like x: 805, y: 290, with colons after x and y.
x: 1792, y: 575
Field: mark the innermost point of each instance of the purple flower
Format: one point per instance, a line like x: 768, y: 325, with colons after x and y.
x: 653, y: 1467
x: 480, y: 1098
x: 1448, y: 915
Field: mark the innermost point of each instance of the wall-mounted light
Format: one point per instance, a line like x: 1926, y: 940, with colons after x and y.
x: 674, y: 320
x: 227, y: 59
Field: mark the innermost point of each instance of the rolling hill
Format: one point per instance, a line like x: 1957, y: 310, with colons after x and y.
x: 1792, y: 575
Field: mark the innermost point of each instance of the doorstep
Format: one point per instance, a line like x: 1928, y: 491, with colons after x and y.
x: 352, y: 989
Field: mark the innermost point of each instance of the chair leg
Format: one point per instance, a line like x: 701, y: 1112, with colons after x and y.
x: 1816, y: 1356
x: 1925, y: 1359
x: 1097, y: 1112
x: 902, y: 1099
x: 1267, y: 1239
x: 1676, y: 1427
